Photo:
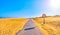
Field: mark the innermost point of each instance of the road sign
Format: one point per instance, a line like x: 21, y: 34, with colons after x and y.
x: 43, y: 15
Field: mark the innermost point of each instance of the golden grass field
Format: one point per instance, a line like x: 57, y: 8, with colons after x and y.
x: 51, y: 26
x: 10, y: 26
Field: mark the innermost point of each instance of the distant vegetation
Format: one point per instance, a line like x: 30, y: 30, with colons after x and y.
x: 50, y: 16
x: 57, y: 15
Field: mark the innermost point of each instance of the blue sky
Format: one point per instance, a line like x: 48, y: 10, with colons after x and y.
x: 27, y: 8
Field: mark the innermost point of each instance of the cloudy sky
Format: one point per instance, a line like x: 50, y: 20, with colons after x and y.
x: 29, y: 8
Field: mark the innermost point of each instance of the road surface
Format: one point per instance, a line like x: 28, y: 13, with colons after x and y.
x: 30, y: 29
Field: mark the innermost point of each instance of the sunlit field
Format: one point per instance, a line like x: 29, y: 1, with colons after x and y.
x: 51, y: 26
x: 10, y: 26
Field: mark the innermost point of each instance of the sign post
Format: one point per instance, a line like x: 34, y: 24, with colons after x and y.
x: 43, y: 16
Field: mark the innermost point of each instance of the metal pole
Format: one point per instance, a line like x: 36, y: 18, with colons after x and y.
x: 43, y: 20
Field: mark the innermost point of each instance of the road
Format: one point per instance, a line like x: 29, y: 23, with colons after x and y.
x: 30, y: 29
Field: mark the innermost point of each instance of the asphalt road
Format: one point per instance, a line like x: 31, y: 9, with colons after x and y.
x: 30, y: 29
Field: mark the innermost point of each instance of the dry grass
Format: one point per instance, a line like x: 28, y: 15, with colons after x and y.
x: 10, y: 26
x: 51, y: 26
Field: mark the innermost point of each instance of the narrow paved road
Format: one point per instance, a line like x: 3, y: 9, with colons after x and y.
x: 30, y: 29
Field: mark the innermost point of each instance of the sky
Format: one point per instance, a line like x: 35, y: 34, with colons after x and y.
x: 29, y: 8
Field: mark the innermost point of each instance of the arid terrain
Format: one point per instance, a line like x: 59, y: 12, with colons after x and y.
x: 10, y: 26
x: 51, y: 26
